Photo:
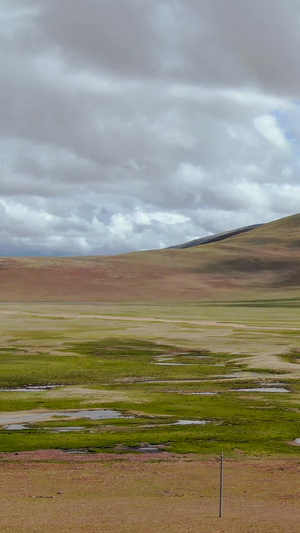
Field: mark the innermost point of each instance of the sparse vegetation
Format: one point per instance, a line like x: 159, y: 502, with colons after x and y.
x: 260, y: 264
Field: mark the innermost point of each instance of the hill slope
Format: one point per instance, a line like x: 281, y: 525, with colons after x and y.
x: 215, y: 238
x: 263, y: 260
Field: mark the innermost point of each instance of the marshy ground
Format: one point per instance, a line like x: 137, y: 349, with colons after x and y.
x: 178, y: 382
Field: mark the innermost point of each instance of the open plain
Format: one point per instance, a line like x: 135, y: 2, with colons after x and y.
x: 169, y: 387
x: 47, y: 493
x: 122, y: 379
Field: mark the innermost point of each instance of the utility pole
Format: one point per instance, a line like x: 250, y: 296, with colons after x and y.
x: 221, y: 485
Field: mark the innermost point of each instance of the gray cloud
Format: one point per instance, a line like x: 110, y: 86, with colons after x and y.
x: 131, y: 124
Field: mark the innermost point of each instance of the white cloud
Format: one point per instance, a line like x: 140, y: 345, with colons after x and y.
x: 267, y: 126
x: 131, y: 124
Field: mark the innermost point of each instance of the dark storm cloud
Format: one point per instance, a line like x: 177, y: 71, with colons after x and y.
x: 253, y: 42
x: 116, y: 35
x: 134, y: 124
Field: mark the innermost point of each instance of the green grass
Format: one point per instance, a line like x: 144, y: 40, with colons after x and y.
x: 265, y: 434
x: 103, y: 361
x: 293, y: 356
x: 114, y: 361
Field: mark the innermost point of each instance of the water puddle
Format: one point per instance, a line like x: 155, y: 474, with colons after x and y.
x: 64, y: 430
x: 15, y: 427
x: 181, y: 423
x: 31, y: 388
x: 295, y: 442
x: 162, y: 381
x: 271, y: 384
x: 199, y: 393
x: 189, y: 356
x: 77, y: 451
x: 147, y: 448
x: 238, y: 375
x: 262, y: 389
x: 174, y: 364
x: 142, y: 448
x: 188, y: 422
x: 21, y: 427
x: 29, y: 416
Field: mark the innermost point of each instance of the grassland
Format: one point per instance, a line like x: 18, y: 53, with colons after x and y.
x: 204, y: 359
x: 156, y: 365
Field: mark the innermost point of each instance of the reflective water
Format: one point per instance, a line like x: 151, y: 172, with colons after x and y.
x: 200, y: 393
x: 175, y: 364
x: 146, y: 448
x: 15, y: 427
x: 239, y: 375
x: 31, y: 388
x: 65, y: 429
x: 162, y: 381
x: 79, y: 451
x: 190, y: 356
x: 262, y: 389
x: 187, y: 422
x: 28, y: 416
x: 108, y: 414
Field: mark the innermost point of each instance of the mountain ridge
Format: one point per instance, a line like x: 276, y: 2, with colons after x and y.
x: 215, y: 238
x: 265, y: 260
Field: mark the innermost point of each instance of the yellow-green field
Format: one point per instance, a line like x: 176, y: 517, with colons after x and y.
x: 170, y: 374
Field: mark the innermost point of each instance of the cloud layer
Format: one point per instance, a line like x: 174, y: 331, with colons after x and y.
x: 131, y: 124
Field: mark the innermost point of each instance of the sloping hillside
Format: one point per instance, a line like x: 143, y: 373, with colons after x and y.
x: 264, y: 260
x: 215, y: 238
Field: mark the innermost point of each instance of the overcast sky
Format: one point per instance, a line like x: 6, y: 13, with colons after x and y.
x: 137, y: 124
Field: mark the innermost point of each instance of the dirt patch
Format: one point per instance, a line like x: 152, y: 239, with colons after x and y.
x: 273, y: 362
x: 51, y: 491
x: 101, y: 396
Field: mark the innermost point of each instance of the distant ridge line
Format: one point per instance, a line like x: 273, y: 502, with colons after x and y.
x: 215, y: 238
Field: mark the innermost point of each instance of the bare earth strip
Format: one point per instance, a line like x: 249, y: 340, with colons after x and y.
x: 152, y: 319
x: 51, y: 491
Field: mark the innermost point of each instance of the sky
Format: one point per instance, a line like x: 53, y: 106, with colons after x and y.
x: 130, y: 125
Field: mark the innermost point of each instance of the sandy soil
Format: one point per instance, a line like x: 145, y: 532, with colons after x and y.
x: 274, y: 362
x: 51, y: 491
x: 129, y: 318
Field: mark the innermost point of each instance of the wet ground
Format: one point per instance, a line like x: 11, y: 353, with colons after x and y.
x: 262, y: 389
x: 23, y: 417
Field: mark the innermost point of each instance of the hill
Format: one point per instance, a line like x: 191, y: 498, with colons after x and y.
x: 215, y: 238
x: 263, y: 260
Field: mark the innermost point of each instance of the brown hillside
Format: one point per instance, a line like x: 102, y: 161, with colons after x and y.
x: 265, y: 259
